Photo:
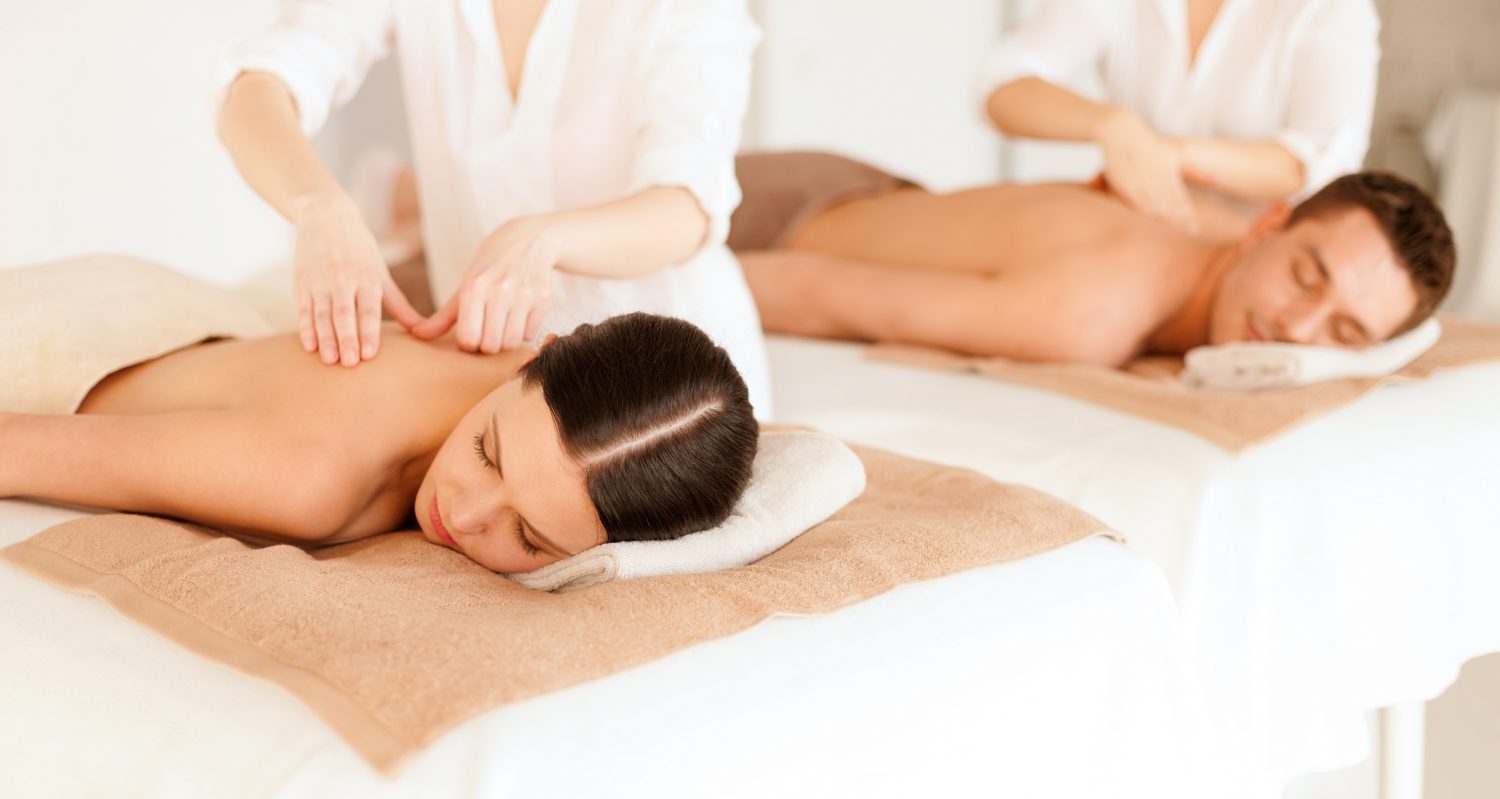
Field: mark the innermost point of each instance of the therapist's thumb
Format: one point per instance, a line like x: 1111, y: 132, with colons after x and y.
x: 438, y: 323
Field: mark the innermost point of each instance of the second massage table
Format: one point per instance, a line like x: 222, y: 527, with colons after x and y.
x: 1344, y: 566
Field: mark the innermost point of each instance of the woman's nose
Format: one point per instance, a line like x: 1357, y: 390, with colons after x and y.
x: 471, y: 510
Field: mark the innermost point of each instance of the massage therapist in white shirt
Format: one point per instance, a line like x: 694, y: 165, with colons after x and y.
x: 1251, y: 101
x: 574, y: 160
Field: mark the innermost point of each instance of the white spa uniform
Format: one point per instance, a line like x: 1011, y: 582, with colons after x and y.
x: 617, y: 96
x: 1300, y: 73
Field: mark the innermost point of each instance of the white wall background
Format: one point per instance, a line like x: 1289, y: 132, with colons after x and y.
x: 108, y: 143
x: 107, y: 140
x: 893, y: 83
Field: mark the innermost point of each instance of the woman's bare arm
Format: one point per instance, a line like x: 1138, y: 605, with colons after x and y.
x: 1254, y: 171
x: 258, y: 125
x: 230, y: 469
x: 1036, y: 109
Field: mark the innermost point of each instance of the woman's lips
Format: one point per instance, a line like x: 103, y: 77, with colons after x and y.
x: 437, y: 524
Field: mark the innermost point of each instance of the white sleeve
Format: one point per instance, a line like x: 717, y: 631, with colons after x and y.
x: 695, y: 90
x: 1060, y: 42
x: 1334, y: 64
x: 321, y: 50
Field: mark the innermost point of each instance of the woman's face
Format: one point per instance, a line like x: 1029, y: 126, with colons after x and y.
x: 503, y: 491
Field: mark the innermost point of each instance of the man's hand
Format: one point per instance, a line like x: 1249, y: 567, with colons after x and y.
x: 340, y: 282
x: 507, y: 292
x: 1146, y: 170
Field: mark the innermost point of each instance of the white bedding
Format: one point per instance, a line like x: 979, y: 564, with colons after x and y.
x: 1060, y: 675
x: 1346, y: 565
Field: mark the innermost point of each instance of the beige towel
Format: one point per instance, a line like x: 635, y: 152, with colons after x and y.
x: 66, y: 325
x: 367, y: 634
x: 1149, y: 387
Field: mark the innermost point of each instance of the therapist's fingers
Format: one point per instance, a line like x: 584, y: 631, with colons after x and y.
x: 323, y: 326
x: 367, y: 309
x: 305, y: 330
x: 535, y: 318
x: 346, y: 327
x: 1177, y: 205
x: 515, y: 324
x: 496, y: 324
x: 469, y: 329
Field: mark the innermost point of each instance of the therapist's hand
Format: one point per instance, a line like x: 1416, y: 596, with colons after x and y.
x: 340, y: 282
x: 1146, y: 170
x: 507, y: 291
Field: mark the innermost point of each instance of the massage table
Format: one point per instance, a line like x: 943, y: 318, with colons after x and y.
x: 1346, y: 565
x: 1057, y: 675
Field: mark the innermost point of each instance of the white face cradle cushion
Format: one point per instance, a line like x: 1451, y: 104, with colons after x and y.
x: 799, y: 479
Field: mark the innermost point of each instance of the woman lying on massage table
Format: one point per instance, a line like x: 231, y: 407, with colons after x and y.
x: 636, y: 428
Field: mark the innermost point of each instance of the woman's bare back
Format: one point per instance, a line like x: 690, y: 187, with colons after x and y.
x: 360, y: 438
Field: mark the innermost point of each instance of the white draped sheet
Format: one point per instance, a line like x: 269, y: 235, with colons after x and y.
x: 1346, y: 565
x: 1059, y: 675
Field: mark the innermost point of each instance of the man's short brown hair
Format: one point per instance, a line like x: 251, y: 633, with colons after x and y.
x: 1412, y: 223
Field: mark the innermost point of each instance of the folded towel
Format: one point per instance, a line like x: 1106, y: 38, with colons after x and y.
x: 799, y: 479
x: 1245, y: 366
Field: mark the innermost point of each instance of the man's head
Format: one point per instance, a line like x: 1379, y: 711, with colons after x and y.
x: 1366, y: 258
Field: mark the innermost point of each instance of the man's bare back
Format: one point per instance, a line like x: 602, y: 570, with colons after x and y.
x: 985, y: 271
x: 998, y: 230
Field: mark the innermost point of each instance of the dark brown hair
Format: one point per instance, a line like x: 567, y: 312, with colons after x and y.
x: 657, y: 416
x: 1412, y: 223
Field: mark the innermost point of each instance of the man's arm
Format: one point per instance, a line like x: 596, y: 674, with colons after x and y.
x: 228, y: 469
x: 1041, y: 315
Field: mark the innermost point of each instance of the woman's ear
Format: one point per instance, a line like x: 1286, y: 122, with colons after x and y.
x: 1272, y: 218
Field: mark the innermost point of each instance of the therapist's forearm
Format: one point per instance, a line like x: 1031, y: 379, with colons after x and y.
x: 1033, y: 108
x: 1256, y: 171
x: 258, y: 125
x: 640, y: 234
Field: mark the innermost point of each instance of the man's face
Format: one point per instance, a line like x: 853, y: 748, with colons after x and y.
x: 1331, y: 279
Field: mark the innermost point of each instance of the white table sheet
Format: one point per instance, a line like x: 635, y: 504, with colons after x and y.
x: 1346, y: 565
x: 1056, y: 676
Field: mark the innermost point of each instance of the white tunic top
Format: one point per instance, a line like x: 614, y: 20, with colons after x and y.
x: 616, y: 96
x: 1300, y: 73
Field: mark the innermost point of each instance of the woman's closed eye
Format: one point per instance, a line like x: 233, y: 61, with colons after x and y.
x: 519, y: 528
x: 531, y: 549
x: 484, y: 457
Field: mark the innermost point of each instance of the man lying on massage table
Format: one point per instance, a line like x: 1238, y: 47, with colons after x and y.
x: 1064, y: 272
x: 637, y: 428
